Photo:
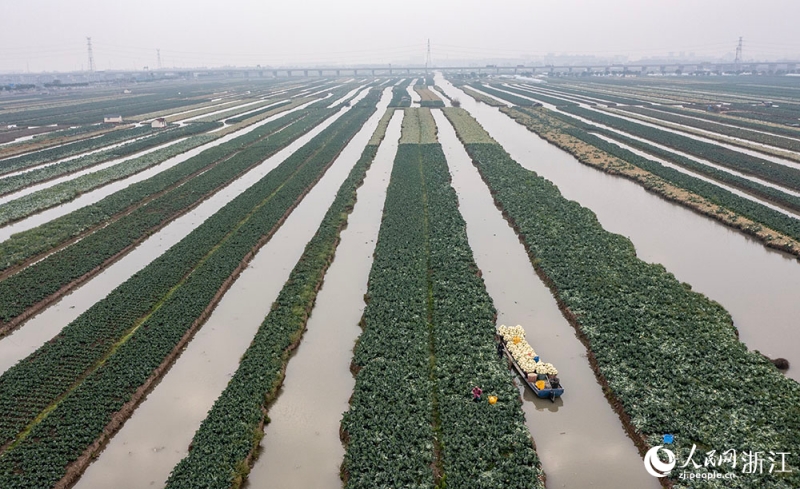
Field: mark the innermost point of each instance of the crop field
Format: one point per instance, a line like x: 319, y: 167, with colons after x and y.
x: 641, y: 235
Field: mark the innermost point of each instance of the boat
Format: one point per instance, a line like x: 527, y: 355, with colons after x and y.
x: 552, y: 388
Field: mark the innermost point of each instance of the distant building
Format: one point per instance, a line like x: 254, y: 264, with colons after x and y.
x: 158, y: 123
x: 112, y: 119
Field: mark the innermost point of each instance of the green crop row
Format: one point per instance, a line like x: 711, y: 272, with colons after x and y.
x: 737, y: 132
x: 46, y: 277
x: 481, y: 97
x: 670, y: 357
x: 785, y: 113
x: 772, y: 129
x: 522, y: 102
x: 752, y: 210
x: 418, y: 127
x: 37, y: 175
x: 428, y: 339
x: 388, y: 429
x: 543, y: 98
x: 715, y: 194
x: 400, y: 96
x: 744, y: 163
x: 70, y: 149
x: 65, y: 191
x: 233, y: 428
x: 173, y: 295
x: 94, y: 111
x: 482, y: 444
x: 586, y: 92
x: 432, y: 103
x: 241, y: 118
x: 281, y: 131
x: 50, y: 137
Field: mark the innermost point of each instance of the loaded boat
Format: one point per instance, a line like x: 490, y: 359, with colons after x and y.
x: 539, y: 376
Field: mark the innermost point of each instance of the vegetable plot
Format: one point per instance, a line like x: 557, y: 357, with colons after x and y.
x: 200, y: 168
x: 772, y: 172
x: 42, y: 282
x: 70, y: 149
x: 760, y: 137
x: 104, y: 361
x: 547, y: 122
x: 65, y: 191
x: 668, y: 356
x: 229, y: 436
x: 428, y: 340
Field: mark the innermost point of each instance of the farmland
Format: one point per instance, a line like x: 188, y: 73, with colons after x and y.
x: 298, y: 262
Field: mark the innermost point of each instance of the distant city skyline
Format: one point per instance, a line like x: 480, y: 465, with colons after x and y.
x: 45, y: 35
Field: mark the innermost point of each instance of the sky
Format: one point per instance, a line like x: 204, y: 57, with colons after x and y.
x: 50, y: 35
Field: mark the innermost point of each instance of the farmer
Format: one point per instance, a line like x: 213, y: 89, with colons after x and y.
x: 476, y: 393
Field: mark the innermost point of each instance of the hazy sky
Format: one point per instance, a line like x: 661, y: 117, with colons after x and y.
x: 40, y: 35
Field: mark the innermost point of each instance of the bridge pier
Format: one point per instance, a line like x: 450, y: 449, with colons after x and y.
x: 320, y: 73
x: 337, y: 72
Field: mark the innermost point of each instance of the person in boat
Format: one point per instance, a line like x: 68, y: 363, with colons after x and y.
x: 477, y: 392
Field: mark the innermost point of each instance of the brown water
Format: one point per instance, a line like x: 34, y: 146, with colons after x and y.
x: 579, y: 437
x: 33, y: 333
x: 301, y: 447
x: 758, y: 286
x: 157, y: 436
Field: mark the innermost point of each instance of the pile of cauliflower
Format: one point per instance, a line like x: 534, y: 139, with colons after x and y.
x: 523, y: 353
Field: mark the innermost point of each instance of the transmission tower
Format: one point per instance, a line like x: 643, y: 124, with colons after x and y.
x: 428, y: 59
x: 89, y: 50
x: 738, y: 59
x: 158, y: 53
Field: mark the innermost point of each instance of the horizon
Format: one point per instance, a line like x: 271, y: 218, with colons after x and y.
x: 46, y: 36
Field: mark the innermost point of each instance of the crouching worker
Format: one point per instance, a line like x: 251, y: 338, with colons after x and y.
x: 476, y: 393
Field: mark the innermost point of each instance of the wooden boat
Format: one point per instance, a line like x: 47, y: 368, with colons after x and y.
x: 552, y: 386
